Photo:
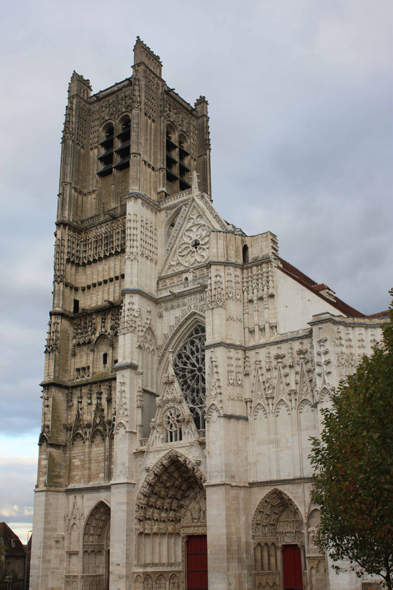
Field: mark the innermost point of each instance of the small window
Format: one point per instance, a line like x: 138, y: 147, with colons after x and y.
x: 106, y: 158
x: 76, y: 305
x: 105, y: 359
x: 245, y: 254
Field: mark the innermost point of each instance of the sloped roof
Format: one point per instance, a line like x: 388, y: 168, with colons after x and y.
x: 380, y: 314
x: 316, y: 288
x: 8, y: 535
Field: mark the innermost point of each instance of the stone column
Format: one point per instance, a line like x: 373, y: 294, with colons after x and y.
x: 228, y: 505
x: 280, y: 566
x: 122, y: 550
x: 47, y: 560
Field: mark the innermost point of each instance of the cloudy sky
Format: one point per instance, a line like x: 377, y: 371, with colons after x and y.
x: 300, y: 95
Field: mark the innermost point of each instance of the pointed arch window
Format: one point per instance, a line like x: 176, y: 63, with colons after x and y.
x: 184, y: 163
x: 123, y: 151
x: 189, y: 367
x: 106, y: 158
x: 178, y: 161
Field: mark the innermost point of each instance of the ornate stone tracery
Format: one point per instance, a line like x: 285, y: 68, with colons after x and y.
x: 96, y: 542
x: 273, y: 511
x: 277, y: 522
x: 172, y: 425
x: 170, y: 504
x: 193, y: 246
x: 189, y: 368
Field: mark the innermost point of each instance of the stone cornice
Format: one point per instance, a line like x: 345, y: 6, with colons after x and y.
x: 284, y: 338
x: 210, y: 484
x: 122, y: 366
x: 142, y: 197
x: 90, y: 488
x: 136, y: 291
x: 264, y: 260
x: 109, y: 91
x: 54, y: 381
x: 88, y: 311
x: 184, y: 293
x: 92, y: 380
x: 325, y: 318
x: 279, y: 482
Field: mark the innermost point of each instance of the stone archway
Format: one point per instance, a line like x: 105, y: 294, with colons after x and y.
x: 170, y: 507
x: 96, y: 544
x: 277, y: 524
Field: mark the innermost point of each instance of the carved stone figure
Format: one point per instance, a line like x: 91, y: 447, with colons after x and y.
x: 186, y: 364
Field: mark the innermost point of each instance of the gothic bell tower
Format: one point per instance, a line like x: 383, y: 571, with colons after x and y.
x: 125, y: 151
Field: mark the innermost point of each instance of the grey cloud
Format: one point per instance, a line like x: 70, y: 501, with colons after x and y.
x: 18, y: 477
x: 299, y: 96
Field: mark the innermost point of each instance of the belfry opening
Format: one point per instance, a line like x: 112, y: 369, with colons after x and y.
x: 187, y: 366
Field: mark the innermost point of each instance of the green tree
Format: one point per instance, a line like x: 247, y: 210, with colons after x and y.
x: 353, y: 462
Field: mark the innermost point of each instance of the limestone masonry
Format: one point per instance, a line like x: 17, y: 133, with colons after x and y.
x: 186, y: 367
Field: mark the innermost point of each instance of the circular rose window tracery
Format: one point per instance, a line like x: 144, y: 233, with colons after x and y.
x: 172, y: 425
x: 189, y: 367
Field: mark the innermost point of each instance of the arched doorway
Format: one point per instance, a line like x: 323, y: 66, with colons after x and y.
x: 96, y: 544
x: 278, y: 541
x: 171, y: 525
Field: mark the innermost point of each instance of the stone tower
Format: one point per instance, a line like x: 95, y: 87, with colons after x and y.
x: 186, y: 366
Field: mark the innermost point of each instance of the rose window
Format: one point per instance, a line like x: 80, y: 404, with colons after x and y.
x: 193, y: 248
x: 189, y: 367
x: 172, y: 425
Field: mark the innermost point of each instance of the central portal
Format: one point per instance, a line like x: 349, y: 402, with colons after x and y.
x: 197, y: 562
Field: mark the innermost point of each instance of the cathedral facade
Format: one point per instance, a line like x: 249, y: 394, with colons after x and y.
x: 187, y: 365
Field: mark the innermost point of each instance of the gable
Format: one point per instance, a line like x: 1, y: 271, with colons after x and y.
x: 188, y: 245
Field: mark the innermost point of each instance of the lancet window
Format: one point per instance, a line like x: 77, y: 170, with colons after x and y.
x: 189, y: 367
x: 177, y: 161
x: 106, y: 158
x: 123, y: 151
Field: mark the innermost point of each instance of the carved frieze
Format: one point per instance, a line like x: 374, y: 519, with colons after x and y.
x: 96, y: 243
x: 258, y: 282
x: 267, y: 581
x: 281, y: 376
x: 278, y: 517
x: 75, y: 516
x: 214, y: 386
x: 59, y: 263
x: 215, y: 297
x: 121, y: 405
x: 151, y: 93
x: 130, y: 317
x: 141, y: 236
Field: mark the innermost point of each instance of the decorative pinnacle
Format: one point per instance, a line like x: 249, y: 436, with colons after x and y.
x: 147, y: 48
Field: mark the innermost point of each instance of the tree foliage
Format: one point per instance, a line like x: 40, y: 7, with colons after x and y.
x: 353, y: 461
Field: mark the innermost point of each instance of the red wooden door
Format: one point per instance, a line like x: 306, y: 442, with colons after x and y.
x: 293, y: 578
x: 197, y: 563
